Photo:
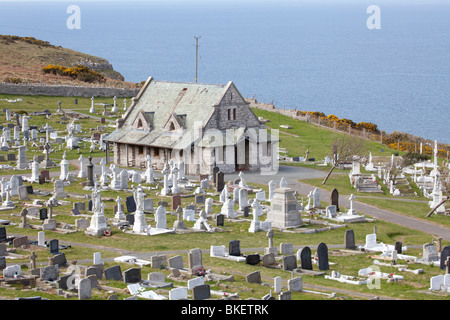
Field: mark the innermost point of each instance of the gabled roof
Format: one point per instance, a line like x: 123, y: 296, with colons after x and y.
x: 191, y: 103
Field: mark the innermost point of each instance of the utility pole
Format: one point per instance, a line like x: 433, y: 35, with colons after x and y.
x: 196, y: 56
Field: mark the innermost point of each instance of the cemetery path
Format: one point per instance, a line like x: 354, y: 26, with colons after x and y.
x: 294, y: 174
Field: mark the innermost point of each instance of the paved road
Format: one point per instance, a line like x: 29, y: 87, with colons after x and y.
x: 293, y: 174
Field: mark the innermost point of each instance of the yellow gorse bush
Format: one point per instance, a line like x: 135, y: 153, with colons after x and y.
x: 79, y: 72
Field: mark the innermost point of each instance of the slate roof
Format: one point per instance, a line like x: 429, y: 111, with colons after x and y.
x: 193, y: 104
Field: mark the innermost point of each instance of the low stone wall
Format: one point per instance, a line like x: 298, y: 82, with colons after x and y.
x: 65, y: 90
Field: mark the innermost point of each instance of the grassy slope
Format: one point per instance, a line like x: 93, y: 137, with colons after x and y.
x: 23, y: 60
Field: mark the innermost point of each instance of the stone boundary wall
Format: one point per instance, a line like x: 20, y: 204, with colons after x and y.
x: 65, y: 90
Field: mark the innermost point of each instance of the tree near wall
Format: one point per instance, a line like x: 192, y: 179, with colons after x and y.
x: 344, y: 148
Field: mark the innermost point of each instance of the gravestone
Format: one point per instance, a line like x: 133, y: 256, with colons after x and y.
x: 398, y: 247
x: 200, y: 199
x: 322, y: 253
x: 349, y: 239
x: 201, y: 292
x: 49, y: 273
x: 148, y: 205
x: 254, y: 277
x: 94, y: 270
x: 178, y: 294
x: 23, y: 193
x: 295, y: 284
x: 59, y: 259
x: 53, y: 246
x: 158, y: 261
x: 176, y: 262
x: 20, y: 241
x: 220, y: 220
x: 215, y: 170
x: 252, y: 259
x: 131, y: 204
x: 444, y: 254
x: 176, y: 201
x: 84, y: 289
x: 2, y: 262
x: 132, y: 275
x: 234, y: 248
x: 334, y: 198
x: 113, y: 273
x: 305, y: 258
x: 130, y: 219
x: 3, y: 236
x: 220, y: 183
x: 269, y: 259
x: 45, y: 174
x: 195, y: 258
x: 289, y: 263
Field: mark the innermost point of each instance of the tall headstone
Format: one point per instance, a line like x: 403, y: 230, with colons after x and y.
x: 220, y: 181
x: 90, y: 173
x: 22, y: 158
x: 322, y: 254
x: 305, y: 258
x: 349, y: 239
x: 334, y: 198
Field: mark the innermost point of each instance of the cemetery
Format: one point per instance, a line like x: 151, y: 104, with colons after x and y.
x: 75, y: 225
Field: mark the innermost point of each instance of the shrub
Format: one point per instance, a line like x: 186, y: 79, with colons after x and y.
x: 78, y: 72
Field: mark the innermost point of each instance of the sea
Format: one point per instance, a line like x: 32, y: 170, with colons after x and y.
x: 381, y: 61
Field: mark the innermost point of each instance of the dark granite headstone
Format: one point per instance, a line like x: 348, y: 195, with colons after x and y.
x: 234, y: 248
x: 130, y: 218
x: 2, y: 262
x: 322, y: 255
x: 220, y: 182
x: 220, y: 220
x: 59, y: 259
x: 444, y: 254
x: 76, y: 212
x: 43, y: 213
x: 201, y: 292
x: 11, y: 157
x: 305, y: 258
x: 29, y: 189
x: 53, y: 246
x: 3, y: 234
x: 90, y: 205
x: 398, y: 247
x: 246, y: 211
x: 132, y: 275
x: 252, y: 259
x: 131, y: 204
x: 349, y: 239
x: 113, y: 273
x: 214, y: 174
x: 62, y: 282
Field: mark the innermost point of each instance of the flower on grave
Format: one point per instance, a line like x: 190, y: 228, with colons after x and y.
x: 390, y: 275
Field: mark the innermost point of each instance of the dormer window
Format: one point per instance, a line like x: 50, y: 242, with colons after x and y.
x: 172, y: 127
x: 139, y: 124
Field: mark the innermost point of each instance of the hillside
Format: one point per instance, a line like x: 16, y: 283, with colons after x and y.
x: 22, y: 59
